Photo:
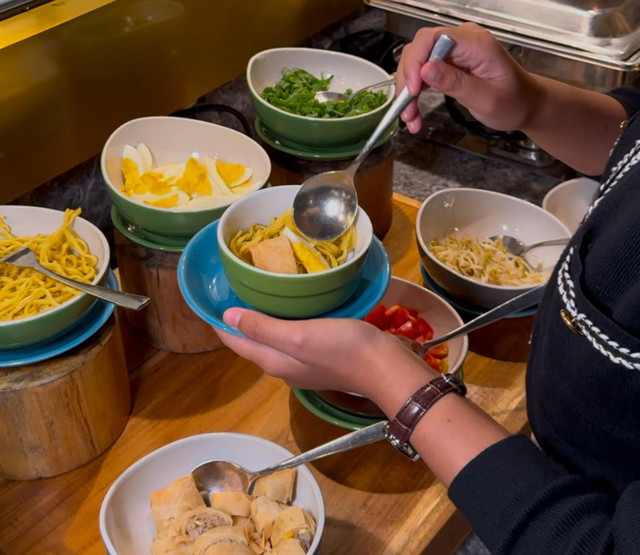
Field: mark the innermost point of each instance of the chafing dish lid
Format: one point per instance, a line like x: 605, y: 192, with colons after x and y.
x: 606, y: 27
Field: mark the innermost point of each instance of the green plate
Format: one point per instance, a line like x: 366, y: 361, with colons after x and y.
x: 332, y: 414
x: 146, y: 238
x: 342, y: 152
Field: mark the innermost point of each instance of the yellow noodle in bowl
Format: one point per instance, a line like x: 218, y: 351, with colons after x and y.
x: 308, y: 256
x: 315, y: 279
x: 35, y: 308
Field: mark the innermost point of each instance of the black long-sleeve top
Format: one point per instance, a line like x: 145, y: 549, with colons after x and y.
x: 579, y: 493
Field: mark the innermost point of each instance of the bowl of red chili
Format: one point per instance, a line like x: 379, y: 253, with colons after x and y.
x: 410, y: 310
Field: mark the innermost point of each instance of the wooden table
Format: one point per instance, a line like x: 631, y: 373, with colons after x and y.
x: 377, y: 501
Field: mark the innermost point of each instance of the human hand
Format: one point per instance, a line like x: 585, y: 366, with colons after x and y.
x: 479, y: 73
x: 328, y: 353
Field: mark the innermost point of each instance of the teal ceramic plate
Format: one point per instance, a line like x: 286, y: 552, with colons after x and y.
x: 342, y: 152
x: 146, y: 238
x: 464, y: 306
x: 90, y: 322
x: 330, y: 413
x: 205, y: 288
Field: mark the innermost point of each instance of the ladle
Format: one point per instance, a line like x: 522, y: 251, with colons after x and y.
x: 27, y: 258
x: 518, y: 248
x: 324, y: 96
x: 227, y: 476
x: 327, y: 203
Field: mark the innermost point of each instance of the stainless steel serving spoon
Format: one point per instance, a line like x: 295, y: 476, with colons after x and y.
x: 521, y: 302
x: 27, y: 258
x: 214, y: 476
x: 518, y: 248
x: 324, y: 96
x: 327, y: 203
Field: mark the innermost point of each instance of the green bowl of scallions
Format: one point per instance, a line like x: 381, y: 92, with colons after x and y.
x: 282, y: 82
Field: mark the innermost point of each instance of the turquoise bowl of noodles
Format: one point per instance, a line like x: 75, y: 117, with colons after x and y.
x: 260, y: 216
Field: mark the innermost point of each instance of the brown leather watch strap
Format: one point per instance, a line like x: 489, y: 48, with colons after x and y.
x: 399, y: 430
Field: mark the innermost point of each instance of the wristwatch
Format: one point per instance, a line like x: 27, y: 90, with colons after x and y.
x: 399, y: 430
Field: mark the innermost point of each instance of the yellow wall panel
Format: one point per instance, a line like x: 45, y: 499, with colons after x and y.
x: 67, y: 80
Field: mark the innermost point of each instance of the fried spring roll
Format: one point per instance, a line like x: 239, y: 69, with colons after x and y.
x: 277, y: 486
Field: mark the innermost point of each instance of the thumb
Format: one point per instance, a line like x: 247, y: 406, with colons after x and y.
x: 269, y: 331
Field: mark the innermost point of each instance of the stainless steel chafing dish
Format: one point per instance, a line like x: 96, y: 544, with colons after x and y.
x: 592, y: 43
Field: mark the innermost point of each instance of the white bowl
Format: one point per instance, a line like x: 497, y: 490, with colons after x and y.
x: 440, y: 315
x: 27, y: 221
x: 570, y: 200
x: 480, y: 214
x: 126, y: 522
x: 171, y: 140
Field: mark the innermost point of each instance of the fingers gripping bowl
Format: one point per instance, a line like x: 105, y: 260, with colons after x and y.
x: 280, y: 294
x: 480, y: 214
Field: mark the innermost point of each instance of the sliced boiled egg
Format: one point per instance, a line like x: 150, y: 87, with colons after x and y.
x: 175, y: 198
x: 141, y: 161
x: 218, y: 184
x: 233, y: 175
x: 305, y: 252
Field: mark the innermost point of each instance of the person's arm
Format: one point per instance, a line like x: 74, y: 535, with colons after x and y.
x: 514, y: 496
x: 577, y: 126
x: 349, y: 355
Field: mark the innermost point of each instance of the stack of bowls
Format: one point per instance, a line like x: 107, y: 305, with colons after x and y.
x: 36, y: 338
x: 174, y: 140
x: 312, y: 137
x: 149, y: 240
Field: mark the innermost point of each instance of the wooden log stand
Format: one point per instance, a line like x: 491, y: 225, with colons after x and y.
x: 167, y: 323
x: 58, y: 414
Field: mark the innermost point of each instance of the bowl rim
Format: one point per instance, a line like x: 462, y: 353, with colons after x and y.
x: 565, y: 184
x: 465, y: 279
x: 187, y: 121
x: 246, y: 266
x: 145, y: 459
x: 262, y: 101
x: 464, y: 338
x: 81, y: 295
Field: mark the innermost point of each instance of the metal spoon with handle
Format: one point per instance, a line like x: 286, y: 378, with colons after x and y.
x: 518, y: 248
x: 327, y: 203
x: 227, y: 476
x: 324, y: 96
x: 521, y: 302
x: 27, y: 258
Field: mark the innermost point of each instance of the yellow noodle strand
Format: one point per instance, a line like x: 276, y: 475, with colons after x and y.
x: 335, y: 252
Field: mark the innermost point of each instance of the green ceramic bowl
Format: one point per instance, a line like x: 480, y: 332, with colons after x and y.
x: 173, y: 139
x: 265, y: 70
x: 286, y: 295
x: 26, y: 221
